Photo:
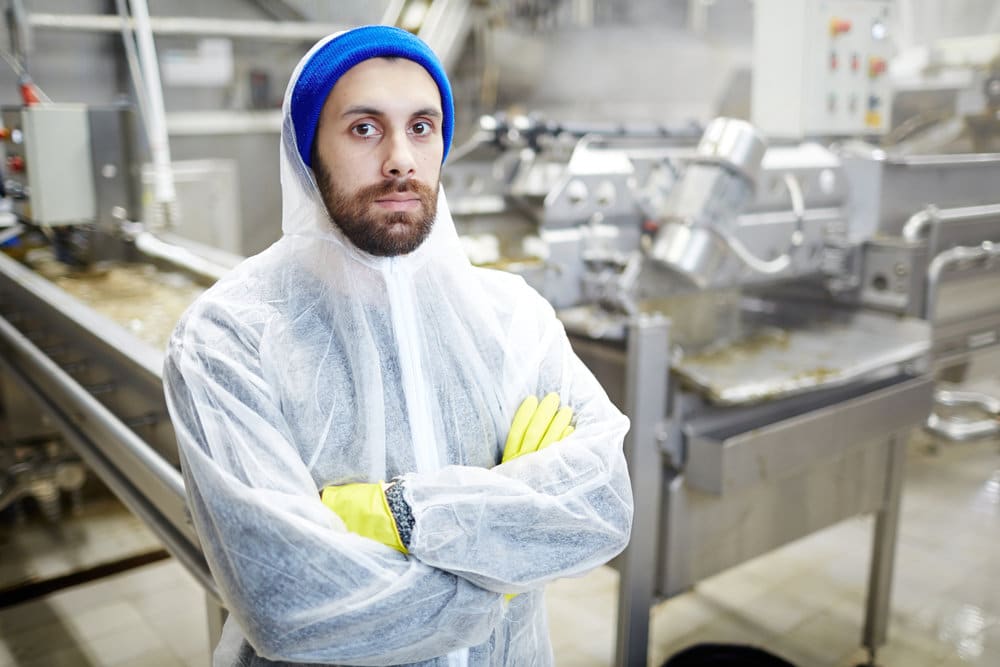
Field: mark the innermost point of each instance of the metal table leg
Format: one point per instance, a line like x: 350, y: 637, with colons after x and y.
x: 884, y: 550
x: 216, y: 618
x: 646, y: 378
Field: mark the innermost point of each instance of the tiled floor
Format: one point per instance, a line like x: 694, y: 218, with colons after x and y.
x: 804, y: 601
x: 100, y: 533
x: 153, y: 616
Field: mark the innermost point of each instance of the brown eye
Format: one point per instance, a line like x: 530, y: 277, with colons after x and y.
x: 421, y: 128
x: 365, y: 130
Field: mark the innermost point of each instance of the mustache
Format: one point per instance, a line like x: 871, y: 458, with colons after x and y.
x: 373, y: 192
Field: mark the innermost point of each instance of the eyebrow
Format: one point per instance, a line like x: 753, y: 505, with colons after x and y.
x: 372, y: 111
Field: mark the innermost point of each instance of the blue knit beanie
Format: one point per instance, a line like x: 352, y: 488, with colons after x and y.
x: 343, y: 52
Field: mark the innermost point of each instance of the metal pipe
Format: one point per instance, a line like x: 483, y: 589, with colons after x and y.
x: 952, y: 399
x: 949, y: 258
x: 164, y: 192
x: 276, y: 31
x: 764, y: 267
x: 132, y: 58
x: 784, y: 261
x: 943, y: 159
x: 150, y: 245
x: 917, y: 225
x: 393, y: 12
x: 445, y: 27
x: 214, y: 123
x: 958, y: 429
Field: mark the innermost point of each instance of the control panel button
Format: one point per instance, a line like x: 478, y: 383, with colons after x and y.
x: 839, y: 27
x: 15, y: 163
x: 877, y: 66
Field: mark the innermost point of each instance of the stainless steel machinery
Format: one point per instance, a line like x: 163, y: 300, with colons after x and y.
x: 81, y: 351
x: 768, y: 323
x: 96, y: 382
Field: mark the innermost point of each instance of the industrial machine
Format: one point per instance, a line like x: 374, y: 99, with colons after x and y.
x: 88, y: 298
x: 771, y: 316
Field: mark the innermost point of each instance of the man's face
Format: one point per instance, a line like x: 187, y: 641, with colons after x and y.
x: 377, y: 155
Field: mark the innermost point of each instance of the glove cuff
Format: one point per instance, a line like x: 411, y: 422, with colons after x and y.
x: 402, y: 514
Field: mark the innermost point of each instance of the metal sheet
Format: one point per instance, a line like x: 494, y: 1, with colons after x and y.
x: 721, y: 463
x: 774, y: 362
x: 888, y: 190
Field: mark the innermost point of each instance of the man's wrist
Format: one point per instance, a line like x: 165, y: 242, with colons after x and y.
x: 402, y: 514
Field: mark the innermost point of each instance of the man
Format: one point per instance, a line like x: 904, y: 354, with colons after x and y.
x: 363, y: 347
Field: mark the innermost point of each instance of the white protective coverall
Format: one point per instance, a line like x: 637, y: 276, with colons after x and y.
x: 315, y: 364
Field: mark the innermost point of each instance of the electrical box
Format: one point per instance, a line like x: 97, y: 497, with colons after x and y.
x: 820, y: 67
x: 48, y: 170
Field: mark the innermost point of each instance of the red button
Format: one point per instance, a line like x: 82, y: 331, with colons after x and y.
x: 15, y: 163
x: 839, y: 26
x: 876, y: 66
x: 4, y: 133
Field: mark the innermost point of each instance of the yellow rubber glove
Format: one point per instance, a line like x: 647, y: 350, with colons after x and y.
x: 365, y: 511
x: 536, y: 426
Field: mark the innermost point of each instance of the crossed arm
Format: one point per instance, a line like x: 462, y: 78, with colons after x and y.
x: 379, y: 511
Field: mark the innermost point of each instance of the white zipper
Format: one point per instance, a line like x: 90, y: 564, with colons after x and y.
x: 458, y: 658
x: 425, y: 451
x: 404, y: 319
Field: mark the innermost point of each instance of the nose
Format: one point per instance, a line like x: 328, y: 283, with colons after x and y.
x: 399, y: 160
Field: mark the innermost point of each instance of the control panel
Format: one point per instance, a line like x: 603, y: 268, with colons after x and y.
x: 820, y: 67
x: 47, y: 164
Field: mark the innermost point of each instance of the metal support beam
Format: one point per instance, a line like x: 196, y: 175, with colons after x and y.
x: 275, y: 31
x: 217, y: 615
x: 884, y: 549
x: 647, y: 376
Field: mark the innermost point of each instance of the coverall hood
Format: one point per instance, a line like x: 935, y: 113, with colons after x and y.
x: 303, y: 212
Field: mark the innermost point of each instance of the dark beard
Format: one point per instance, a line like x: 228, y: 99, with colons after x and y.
x: 383, y: 235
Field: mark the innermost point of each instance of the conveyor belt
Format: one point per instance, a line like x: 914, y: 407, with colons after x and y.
x: 102, y: 388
